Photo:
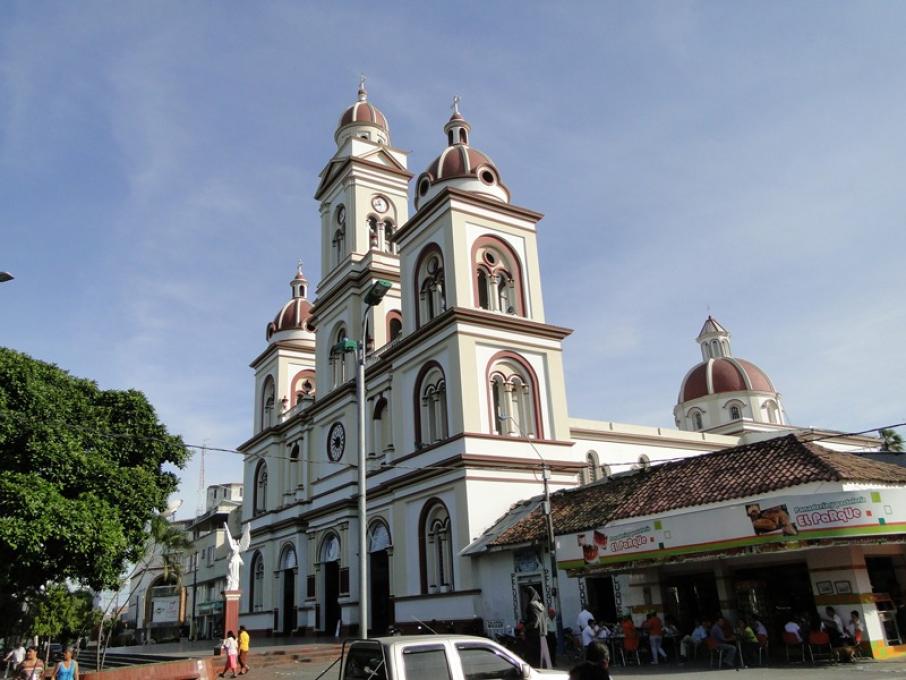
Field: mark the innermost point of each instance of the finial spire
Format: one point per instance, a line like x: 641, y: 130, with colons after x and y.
x: 363, y: 93
x: 299, y: 266
x: 455, y: 107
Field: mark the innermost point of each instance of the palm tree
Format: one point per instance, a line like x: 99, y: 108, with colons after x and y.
x: 892, y: 441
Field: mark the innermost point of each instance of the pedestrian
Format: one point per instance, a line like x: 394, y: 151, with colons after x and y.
x: 655, y: 628
x: 582, y: 619
x: 536, y: 628
x: 595, y: 666
x: 589, y: 633
x: 598, y: 653
x: 230, y: 649
x: 244, y: 640
x: 67, y: 669
x: 31, y: 668
x: 15, y: 656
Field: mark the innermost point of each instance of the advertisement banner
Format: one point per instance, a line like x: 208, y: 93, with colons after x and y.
x: 776, y: 519
x: 165, y: 609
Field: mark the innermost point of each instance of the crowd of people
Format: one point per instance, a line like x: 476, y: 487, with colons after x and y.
x: 25, y: 664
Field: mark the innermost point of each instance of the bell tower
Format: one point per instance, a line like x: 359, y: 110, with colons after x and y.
x: 363, y: 195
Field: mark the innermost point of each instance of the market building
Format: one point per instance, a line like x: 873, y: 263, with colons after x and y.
x: 772, y: 530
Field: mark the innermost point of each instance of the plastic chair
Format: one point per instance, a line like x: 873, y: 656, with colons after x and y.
x: 791, y: 640
x: 818, y: 639
x: 714, y: 648
x: 631, y: 646
x: 762, y: 648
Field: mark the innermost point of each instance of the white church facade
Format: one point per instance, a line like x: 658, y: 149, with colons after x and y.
x: 465, y: 396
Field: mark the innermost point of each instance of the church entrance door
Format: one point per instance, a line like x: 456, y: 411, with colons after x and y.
x: 331, y: 597
x: 289, y: 601
x: 381, y: 607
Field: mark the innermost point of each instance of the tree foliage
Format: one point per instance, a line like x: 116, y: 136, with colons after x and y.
x: 891, y: 440
x: 60, y: 614
x: 81, y: 476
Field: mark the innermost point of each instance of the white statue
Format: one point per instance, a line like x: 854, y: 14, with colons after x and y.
x: 235, y: 560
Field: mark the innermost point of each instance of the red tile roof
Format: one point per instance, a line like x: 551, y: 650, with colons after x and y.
x: 709, y: 478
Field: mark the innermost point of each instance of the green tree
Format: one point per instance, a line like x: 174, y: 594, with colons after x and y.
x: 64, y: 615
x: 891, y: 440
x: 82, y: 474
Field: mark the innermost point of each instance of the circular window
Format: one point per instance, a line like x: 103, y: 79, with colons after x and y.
x: 433, y: 265
x: 423, y: 187
x: 487, y: 176
x: 489, y: 257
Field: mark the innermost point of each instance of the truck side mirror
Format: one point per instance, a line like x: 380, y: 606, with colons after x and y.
x: 526, y: 672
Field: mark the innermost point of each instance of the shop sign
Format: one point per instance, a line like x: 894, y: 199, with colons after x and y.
x: 752, y: 522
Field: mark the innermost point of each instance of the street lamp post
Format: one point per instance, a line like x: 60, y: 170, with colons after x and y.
x: 372, y: 297
x: 551, y: 538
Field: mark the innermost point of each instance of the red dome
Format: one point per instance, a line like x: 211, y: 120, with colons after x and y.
x: 460, y: 161
x: 724, y: 374
x: 293, y: 317
x: 364, y: 113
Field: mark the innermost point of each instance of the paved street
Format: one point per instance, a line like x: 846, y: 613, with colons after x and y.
x: 863, y: 671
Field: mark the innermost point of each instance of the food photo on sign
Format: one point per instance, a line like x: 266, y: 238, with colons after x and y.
x: 773, y: 520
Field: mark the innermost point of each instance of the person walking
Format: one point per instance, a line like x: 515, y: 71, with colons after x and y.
x: 32, y: 668
x: 67, y: 669
x: 655, y: 628
x: 230, y: 648
x: 536, y: 629
x: 15, y: 656
x: 244, y: 640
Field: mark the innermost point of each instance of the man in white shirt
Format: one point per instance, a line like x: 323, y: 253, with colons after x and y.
x: 582, y: 619
x: 14, y: 658
x: 691, y: 642
x: 589, y: 633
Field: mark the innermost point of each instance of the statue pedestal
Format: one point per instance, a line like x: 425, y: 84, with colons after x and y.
x: 231, y: 611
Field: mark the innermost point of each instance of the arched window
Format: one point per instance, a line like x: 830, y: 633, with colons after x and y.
x: 389, y: 230
x: 259, y: 502
x: 430, y: 285
x: 773, y: 412
x: 339, y: 245
x: 378, y: 537
x: 382, y: 430
x: 497, y: 276
x: 330, y: 548
x: 394, y: 325
x: 256, y: 596
x: 513, y: 397
x: 295, y: 476
x: 303, y: 386
x: 697, y: 422
x: 734, y: 408
x: 436, y: 544
x: 288, y: 558
x: 268, y: 394
x: 431, y: 406
x: 339, y: 370
x: 592, y: 471
x: 373, y: 236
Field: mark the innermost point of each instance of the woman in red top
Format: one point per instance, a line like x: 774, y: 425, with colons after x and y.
x: 655, y: 628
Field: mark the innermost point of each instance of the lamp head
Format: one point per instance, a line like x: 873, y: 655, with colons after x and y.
x: 6, y: 276
x: 376, y: 292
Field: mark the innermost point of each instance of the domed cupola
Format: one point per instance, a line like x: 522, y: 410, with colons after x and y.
x: 460, y: 166
x: 363, y: 120
x: 292, y: 321
x: 723, y: 391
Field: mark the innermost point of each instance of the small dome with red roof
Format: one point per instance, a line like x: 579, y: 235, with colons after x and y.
x: 363, y: 120
x: 723, y: 391
x: 292, y: 321
x: 460, y: 166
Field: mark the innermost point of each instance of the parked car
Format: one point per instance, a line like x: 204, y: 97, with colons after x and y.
x: 457, y: 657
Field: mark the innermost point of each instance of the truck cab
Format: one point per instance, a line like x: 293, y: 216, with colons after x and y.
x: 438, y: 657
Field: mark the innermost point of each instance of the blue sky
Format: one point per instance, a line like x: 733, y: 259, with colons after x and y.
x: 158, y: 161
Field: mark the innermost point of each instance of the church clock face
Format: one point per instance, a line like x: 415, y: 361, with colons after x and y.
x: 341, y: 215
x: 336, y: 441
x: 379, y: 203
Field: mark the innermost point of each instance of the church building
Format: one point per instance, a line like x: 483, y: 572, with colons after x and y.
x: 465, y: 399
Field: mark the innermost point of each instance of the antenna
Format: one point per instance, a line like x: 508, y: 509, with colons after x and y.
x: 418, y: 620
x: 202, y: 496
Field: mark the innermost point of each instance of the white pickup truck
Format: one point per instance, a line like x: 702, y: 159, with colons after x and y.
x: 435, y: 657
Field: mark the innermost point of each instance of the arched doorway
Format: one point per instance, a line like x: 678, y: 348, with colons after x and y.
x: 379, y: 546
x: 288, y: 567
x: 330, y: 565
